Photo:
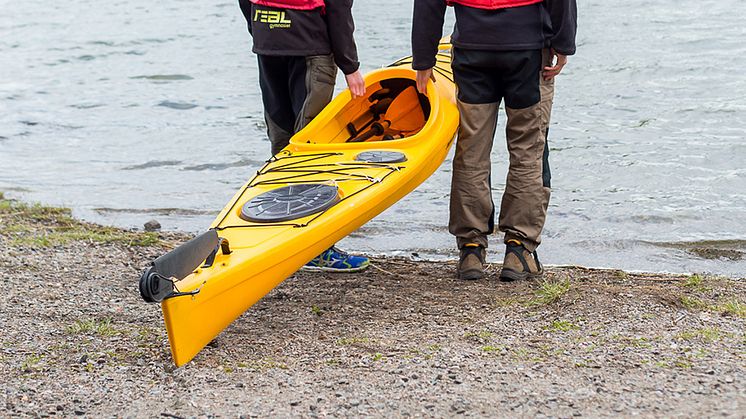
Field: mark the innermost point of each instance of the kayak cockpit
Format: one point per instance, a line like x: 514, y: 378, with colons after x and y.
x: 391, y: 109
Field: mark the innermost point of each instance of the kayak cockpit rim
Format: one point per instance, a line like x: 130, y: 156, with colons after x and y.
x: 306, y: 140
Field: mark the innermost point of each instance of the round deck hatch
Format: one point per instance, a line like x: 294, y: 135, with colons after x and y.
x: 381, y: 157
x: 290, y: 202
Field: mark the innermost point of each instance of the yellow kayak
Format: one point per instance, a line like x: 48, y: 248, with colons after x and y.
x: 354, y: 160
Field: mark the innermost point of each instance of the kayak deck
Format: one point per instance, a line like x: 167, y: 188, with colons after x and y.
x: 362, y: 155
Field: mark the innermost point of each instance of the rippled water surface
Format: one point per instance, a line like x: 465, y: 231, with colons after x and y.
x: 128, y: 111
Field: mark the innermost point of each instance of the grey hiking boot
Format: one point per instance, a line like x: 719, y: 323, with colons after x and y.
x: 520, y: 263
x: 471, y: 262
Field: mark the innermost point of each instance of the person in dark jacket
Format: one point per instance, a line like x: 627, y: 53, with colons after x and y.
x: 299, y: 45
x: 502, y: 50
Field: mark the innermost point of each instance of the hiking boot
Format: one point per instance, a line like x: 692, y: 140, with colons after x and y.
x: 335, y: 260
x: 520, y: 263
x: 471, y: 261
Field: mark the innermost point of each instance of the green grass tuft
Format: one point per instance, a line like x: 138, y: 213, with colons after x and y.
x: 434, y: 347
x: 706, y: 335
x: 693, y: 303
x: 34, y: 225
x: 100, y: 327
x: 733, y: 308
x: 31, y: 363
x: 352, y: 341
x: 695, y: 283
x: 562, y: 326
x: 550, y: 292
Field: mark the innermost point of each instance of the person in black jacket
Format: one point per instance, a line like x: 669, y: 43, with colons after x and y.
x: 298, y: 52
x: 502, y: 49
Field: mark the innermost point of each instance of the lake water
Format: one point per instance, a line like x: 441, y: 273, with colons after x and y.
x: 128, y: 111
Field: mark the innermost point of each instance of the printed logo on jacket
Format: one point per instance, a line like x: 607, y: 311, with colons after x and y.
x: 275, y: 18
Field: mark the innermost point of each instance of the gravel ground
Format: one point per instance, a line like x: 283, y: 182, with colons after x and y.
x: 402, y: 339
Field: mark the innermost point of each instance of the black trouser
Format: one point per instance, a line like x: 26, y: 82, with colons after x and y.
x: 294, y: 91
x: 484, y: 79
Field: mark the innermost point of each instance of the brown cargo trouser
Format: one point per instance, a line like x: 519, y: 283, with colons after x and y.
x: 483, y: 79
x: 294, y: 91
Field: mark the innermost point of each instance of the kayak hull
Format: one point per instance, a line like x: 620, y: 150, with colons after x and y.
x: 264, y: 254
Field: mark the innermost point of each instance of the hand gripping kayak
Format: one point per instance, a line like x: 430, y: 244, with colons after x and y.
x: 157, y: 282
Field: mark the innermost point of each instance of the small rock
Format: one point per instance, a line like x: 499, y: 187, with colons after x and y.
x: 83, y: 359
x: 152, y: 225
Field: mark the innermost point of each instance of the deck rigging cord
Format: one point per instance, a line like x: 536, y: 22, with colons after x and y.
x: 297, y: 172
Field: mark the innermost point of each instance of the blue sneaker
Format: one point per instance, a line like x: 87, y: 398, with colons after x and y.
x: 335, y: 260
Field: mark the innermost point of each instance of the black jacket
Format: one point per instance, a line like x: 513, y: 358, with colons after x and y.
x: 551, y: 23
x: 304, y: 32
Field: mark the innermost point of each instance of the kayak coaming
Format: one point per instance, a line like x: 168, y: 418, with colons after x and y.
x: 264, y: 255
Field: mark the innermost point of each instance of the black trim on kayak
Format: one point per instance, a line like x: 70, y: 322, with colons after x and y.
x: 158, y: 281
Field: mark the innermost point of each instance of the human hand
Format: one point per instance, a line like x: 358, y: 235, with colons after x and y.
x: 422, y: 77
x: 356, y: 84
x: 554, y: 69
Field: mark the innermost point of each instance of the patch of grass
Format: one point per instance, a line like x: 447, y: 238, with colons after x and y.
x: 562, y: 326
x: 507, y: 302
x: 316, y: 310
x: 31, y: 363
x: 521, y: 353
x: 434, y: 347
x: 693, y: 303
x: 591, y: 347
x: 619, y: 274
x: 100, y: 327
x: 733, y: 307
x: 550, y: 292
x: 352, y: 341
x: 694, y: 281
x: 682, y: 363
x: 707, y: 335
x: 490, y: 348
x: 61, y: 235
x: 482, y: 335
x: 378, y: 357
x: 640, y: 342
x: 35, y: 225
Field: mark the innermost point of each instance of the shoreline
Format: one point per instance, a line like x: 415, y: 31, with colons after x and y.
x: 402, y: 338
